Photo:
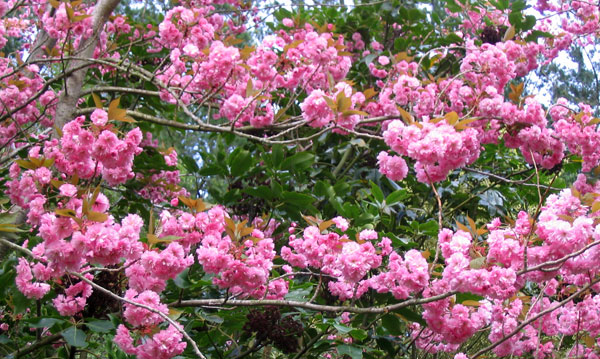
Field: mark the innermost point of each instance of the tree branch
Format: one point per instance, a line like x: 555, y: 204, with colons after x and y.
x: 35, y: 346
x: 307, y: 305
x: 73, y: 84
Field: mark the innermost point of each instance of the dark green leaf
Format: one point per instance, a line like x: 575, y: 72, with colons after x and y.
x: 298, y: 199
x: 212, y: 170
x: 100, y: 326
x: 4, y: 339
x: 277, y: 155
x: 299, y: 161
x: 263, y: 192
x: 182, y: 281
x: 376, y: 192
x: 75, y: 337
x: 358, y: 334
x: 351, y: 350
x: 213, y: 318
x: 43, y: 322
x: 396, y: 197
x: 411, y: 316
x: 392, y: 324
x: 240, y: 162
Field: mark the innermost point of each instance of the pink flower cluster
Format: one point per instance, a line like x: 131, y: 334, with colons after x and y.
x: 247, y: 78
x: 241, y: 264
x: 403, y: 276
x: 87, y: 154
x: 20, y: 103
x: 165, y: 344
x: 335, y: 256
x: 349, y: 262
x: 493, y: 282
x: 437, y: 148
x: 74, y: 299
x: 578, y: 133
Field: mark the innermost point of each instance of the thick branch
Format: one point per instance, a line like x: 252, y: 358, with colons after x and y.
x: 35, y: 346
x: 307, y: 305
x: 72, y: 89
x: 43, y: 41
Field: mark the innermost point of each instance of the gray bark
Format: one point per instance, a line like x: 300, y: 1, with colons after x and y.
x: 74, y: 82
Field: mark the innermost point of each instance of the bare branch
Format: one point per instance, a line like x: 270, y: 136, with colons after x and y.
x: 35, y: 346
x: 307, y: 305
x: 73, y: 84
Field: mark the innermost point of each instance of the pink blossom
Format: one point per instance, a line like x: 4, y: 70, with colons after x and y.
x: 99, y: 117
x: 140, y: 317
x: 25, y: 282
x: 287, y: 22
x: 68, y: 190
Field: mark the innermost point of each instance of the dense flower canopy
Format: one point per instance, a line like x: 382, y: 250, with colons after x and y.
x: 222, y: 178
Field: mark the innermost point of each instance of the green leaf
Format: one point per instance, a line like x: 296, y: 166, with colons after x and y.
x: 211, y: 170
x: 22, y: 303
x: 213, y: 318
x: 240, y: 162
x: 263, y: 192
x: 429, y: 228
x: 536, y: 34
x: 518, y: 5
x: 276, y: 188
x: 75, y: 337
x: 300, y: 293
x: 43, y: 322
x: 497, y: 5
x: 411, y: 316
x: 298, y: 199
x: 384, y: 343
x: 190, y: 164
x: 181, y: 281
x: 529, y: 22
x: 150, y: 160
x: 324, y: 189
x: 396, y: 197
x: 277, y: 155
x: 461, y: 297
x: 515, y: 19
x: 453, y: 6
x: 8, y: 218
x: 342, y: 328
x: 299, y: 161
x: 359, y: 334
x: 100, y: 326
x: 376, y: 192
x: 392, y: 324
x: 351, y: 350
